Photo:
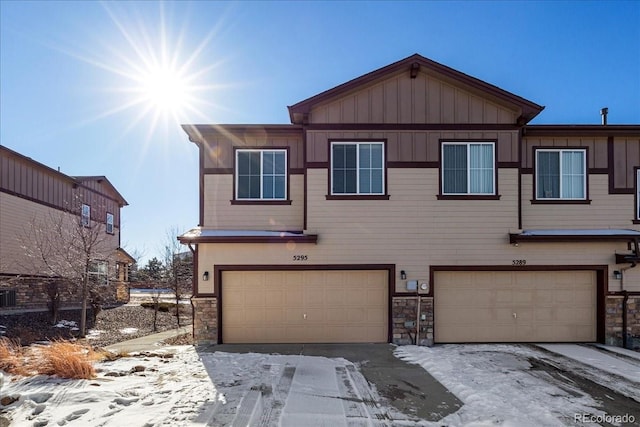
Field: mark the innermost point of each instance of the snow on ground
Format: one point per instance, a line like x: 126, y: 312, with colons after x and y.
x: 598, y: 359
x: 498, y: 384
x: 128, y: 331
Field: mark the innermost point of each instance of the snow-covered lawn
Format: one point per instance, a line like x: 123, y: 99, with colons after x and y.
x: 499, y: 384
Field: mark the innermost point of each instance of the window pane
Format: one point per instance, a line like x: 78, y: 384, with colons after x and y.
x: 338, y: 156
x: 365, y: 156
x: 365, y: 181
x: 376, y: 181
x: 481, y: 168
x: 548, y: 174
x: 376, y: 156
x: 351, y: 184
x: 573, y: 174
x: 454, y: 164
x: 267, y: 187
x: 337, y: 181
x: 344, y: 169
x: 279, y: 189
x: 268, y: 165
x: 350, y: 156
x: 280, y: 163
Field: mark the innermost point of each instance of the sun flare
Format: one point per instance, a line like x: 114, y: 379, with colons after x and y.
x: 166, y: 90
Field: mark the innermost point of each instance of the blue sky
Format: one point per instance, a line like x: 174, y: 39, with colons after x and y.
x: 76, y: 93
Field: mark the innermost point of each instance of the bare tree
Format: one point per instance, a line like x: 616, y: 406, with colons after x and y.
x: 178, y: 267
x: 64, y: 246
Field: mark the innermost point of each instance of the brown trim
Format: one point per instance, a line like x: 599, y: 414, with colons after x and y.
x: 442, y: 196
x: 260, y: 202
x: 610, y: 155
x: 416, y: 165
x: 601, y: 283
x: 357, y: 197
x: 296, y: 171
x: 517, y: 238
x: 636, y: 211
x: 299, y: 238
x: 385, y: 145
x: 534, y: 198
x: 508, y: 165
x: 469, y: 197
x: 201, y: 183
x: 480, y: 127
x: 317, y: 165
x: 298, y: 111
x: 287, y: 150
x: 519, y: 149
x: 199, y: 133
x: 560, y: 202
x: 391, y: 275
x: 582, y: 130
x: 218, y: 171
x: 305, y: 202
x: 526, y: 171
x: 598, y: 171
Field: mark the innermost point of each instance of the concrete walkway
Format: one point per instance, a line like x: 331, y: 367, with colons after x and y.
x: 148, y: 342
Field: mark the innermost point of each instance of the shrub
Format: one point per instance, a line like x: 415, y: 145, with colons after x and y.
x: 66, y: 360
x: 11, y: 356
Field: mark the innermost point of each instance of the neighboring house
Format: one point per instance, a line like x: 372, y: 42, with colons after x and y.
x: 416, y: 179
x: 34, y: 198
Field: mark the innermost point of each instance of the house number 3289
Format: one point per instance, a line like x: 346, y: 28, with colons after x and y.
x: 300, y: 257
x: 519, y: 262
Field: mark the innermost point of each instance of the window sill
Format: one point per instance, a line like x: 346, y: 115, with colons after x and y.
x: 358, y: 197
x: 260, y: 202
x: 635, y: 221
x: 561, y: 202
x: 468, y: 197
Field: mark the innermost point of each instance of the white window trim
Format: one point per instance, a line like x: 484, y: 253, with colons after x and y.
x: 357, y: 144
x: 584, y: 176
x: 109, y: 227
x: 468, y: 144
x: 85, y: 218
x: 262, y: 151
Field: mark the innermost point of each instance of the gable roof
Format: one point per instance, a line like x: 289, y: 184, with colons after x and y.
x: 102, y: 180
x: 413, y: 64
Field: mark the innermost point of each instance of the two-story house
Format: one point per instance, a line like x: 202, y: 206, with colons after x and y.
x: 36, y: 201
x: 416, y: 204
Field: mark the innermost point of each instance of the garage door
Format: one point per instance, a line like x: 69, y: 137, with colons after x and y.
x: 305, y: 306
x: 515, y: 306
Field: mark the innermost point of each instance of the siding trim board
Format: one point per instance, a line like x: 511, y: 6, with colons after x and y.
x: 467, y: 127
x: 219, y: 269
x: 602, y: 274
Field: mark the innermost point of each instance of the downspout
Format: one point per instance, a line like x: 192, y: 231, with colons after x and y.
x: 193, y: 289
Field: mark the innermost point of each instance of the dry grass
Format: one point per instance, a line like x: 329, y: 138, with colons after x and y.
x: 60, y: 358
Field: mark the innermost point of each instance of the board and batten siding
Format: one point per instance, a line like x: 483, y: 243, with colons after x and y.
x: 626, y: 157
x: 424, y: 99
x: 220, y: 213
x: 219, y: 148
x: 596, y: 149
x: 412, y: 146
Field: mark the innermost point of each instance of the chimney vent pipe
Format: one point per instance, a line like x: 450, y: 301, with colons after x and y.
x: 603, y: 112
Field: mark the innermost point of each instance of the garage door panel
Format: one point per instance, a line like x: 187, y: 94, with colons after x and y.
x: 548, y: 306
x: 305, y: 306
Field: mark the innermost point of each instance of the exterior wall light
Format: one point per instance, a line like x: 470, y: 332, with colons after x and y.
x: 617, y: 274
x: 403, y: 275
x: 205, y: 276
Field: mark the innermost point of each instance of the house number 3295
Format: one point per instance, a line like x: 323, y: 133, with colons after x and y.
x: 300, y: 257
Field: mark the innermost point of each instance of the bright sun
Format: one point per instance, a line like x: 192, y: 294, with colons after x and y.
x: 166, y: 90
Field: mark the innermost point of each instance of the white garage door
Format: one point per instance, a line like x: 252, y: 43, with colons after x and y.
x: 515, y: 306
x: 305, y: 306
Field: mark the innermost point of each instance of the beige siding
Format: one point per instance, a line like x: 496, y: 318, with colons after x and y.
x: 414, y: 230
x: 220, y: 213
x: 17, y: 219
x: 407, y: 146
x: 425, y: 99
x: 605, y: 211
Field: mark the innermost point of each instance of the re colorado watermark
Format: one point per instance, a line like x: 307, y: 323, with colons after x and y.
x: 604, y: 418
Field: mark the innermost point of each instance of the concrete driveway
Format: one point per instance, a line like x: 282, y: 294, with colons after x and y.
x: 359, y: 384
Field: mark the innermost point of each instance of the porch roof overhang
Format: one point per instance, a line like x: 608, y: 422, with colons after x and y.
x: 575, y: 235
x: 204, y: 235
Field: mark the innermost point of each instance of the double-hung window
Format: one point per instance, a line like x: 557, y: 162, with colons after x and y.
x: 85, y: 215
x: 261, y: 175
x: 109, y: 226
x: 357, y: 168
x: 561, y: 174
x: 468, y: 169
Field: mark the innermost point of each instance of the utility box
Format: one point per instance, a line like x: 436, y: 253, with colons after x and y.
x: 412, y: 285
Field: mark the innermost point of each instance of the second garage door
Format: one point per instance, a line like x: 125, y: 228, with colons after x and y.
x: 305, y: 306
x: 515, y: 306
